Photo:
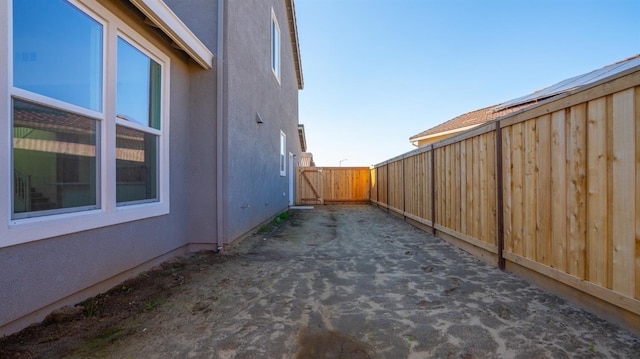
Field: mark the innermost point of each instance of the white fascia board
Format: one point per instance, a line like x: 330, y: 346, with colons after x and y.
x: 456, y: 130
x: 167, y: 21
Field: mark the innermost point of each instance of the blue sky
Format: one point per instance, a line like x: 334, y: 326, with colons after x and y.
x: 377, y: 72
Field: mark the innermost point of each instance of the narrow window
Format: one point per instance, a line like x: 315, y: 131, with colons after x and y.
x: 137, y: 136
x: 283, y: 159
x: 275, y: 46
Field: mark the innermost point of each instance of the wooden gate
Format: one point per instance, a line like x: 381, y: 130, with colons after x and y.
x: 320, y: 185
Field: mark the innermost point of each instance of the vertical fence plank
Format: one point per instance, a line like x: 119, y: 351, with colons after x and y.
x: 507, y: 167
x: 432, y: 186
x: 517, y: 174
x: 597, y: 192
x: 558, y: 191
x: 476, y: 188
x: 529, y: 185
x: 543, y: 185
x: 457, y: 204
x: 469, y: 187
x: 492, y: 219
x: 623, y: 172
x: 484, y: 200
x: 636, y: 110
x: 576, y: 202
x: 448, y: 187
x: 463, y: 187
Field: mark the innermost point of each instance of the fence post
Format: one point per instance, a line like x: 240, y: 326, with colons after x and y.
x: 433, y: 191
x: 404, y: 188
x: 388, y: 210
x: 499, y: 198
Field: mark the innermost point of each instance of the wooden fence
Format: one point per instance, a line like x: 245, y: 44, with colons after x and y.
x: 554, y: 189
x: 320, y: 185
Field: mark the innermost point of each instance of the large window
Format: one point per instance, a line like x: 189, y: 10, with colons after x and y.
x: 88, y: 103
x: 275, y: 46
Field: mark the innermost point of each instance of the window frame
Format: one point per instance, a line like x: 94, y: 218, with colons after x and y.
x: 276, y: 41
x: 15, y: 231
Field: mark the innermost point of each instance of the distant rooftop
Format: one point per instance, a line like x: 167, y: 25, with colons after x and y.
x: 477, y: 117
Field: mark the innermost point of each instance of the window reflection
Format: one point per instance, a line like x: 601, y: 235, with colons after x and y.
x: 138, y: 90
x: 44, y: 32
x: 136, y: 165
x: 54, y: 159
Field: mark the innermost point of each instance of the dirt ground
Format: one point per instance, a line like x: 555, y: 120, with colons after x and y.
x: 332, y: 282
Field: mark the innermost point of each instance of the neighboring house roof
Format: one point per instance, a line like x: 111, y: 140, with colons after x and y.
x: 477, y: 117
x: 467, y: 121
x: 293, y: 32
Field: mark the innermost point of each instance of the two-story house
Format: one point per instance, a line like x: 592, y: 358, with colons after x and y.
x: 135, y: 131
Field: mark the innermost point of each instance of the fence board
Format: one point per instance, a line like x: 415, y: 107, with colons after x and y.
x: 475, y: 220
x: 597, y: 192
x: 558, y: 191
x: 529, y: 185
x: 636, y: 111
x: 576, y: 202
x: 469, y: 188
x: 543, y: 195
x: 517, y: 210
x: 623, y: 172
x: 507, y: 187
x: 492, y: 214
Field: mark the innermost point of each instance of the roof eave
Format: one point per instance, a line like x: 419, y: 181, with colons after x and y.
x: 168, y: 22
x: 293, y: 33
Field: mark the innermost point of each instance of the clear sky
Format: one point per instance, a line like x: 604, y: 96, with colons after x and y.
x: 377, y: 72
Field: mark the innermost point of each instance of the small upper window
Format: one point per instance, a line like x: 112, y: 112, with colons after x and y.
x: 283, y: 149
x: 275, y: 46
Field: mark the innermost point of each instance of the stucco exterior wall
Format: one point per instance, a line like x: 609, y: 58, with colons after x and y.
x: 46, y: 274
x: 43, y: 275
x: 256, y: 190
x: 201, y: 16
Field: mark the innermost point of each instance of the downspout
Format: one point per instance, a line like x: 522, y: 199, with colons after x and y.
x: 220, y: 129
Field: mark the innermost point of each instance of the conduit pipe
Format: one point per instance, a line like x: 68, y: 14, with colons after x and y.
x: 220, y: 159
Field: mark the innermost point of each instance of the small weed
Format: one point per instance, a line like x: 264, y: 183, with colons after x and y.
x: 411, y: 338
x: 150, y: 304
x: 263, y: 229
x: 592, y: 347
x: 126, y: 289
x: 90, y: 308
x: 177, y: 265
x: 108, y: 336
x: 283, y: 215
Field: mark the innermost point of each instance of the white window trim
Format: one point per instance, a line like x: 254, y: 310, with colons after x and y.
x: 18, y: 231
x: 275, y: 68
x: 282, y: 160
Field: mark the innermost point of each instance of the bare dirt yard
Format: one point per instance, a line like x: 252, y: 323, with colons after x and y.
x: 332, y: 282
